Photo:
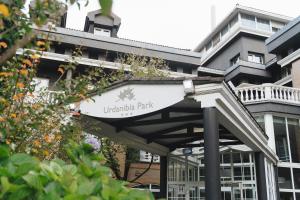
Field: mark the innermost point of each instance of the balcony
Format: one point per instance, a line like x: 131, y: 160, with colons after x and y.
x: 268, y: 93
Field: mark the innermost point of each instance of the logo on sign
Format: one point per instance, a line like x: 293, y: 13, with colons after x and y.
x: 126, y: 94
x: 126, y: 104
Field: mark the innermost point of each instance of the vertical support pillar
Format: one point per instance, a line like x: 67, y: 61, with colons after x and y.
x: 269, y: 129
x: 211, y: 155
x: 261, y: 176
x: 163, y: 177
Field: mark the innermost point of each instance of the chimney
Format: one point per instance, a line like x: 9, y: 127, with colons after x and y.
x: 213, y: 17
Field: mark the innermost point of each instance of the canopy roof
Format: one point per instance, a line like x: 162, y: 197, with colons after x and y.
x: 158, y: 116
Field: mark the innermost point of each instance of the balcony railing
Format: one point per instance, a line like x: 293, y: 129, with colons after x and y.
x: 268, y: 92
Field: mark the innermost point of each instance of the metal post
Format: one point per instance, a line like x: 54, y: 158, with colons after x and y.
x: 211, y: 155
x: 163, y: 177
x: 261, y: 176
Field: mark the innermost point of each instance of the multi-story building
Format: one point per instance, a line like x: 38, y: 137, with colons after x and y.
x: 257, y: 53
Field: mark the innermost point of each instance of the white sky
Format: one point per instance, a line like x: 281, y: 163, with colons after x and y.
x: 176, y: 23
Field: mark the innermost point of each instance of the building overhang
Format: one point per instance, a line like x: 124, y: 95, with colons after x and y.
x: 246, y: 68
x: 89, y: 40
x: 235, y: 33
x: 290, y: 58
x: 246, y: 10
x: 290, y: 32
x: 88, y: 62
x: 156, y: 115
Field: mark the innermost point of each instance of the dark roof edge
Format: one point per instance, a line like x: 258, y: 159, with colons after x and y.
x: 161, y: 80
x: 121, y: 41
x: 283, y: 30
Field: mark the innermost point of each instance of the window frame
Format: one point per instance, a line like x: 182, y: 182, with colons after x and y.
x: 255, y: 55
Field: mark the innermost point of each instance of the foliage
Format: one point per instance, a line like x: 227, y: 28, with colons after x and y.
x: 37, y: 122
x: 24, y: 177
x: 142, y: 66
x: 41, y: 122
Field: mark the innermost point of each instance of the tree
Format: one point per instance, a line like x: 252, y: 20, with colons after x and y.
x: 39, y: 123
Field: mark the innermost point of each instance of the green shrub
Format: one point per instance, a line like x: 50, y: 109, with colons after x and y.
x: 84, y: 177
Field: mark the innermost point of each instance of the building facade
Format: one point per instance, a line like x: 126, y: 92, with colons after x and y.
x: 258, y: 55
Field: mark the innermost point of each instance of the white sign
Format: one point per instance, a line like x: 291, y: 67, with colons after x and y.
x: 132, y: 100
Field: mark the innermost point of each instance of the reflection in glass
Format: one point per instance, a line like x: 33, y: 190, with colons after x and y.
x: 281, y: 139
x: 248, y: 20
x: 284, y: 178
x: 296, y: 178
x: 263, y: 24
x: 286, y: 196
x: 294, y: 135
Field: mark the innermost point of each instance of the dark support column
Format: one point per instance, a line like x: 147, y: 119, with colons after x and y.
x: 261, y: 176
x: 211, y: 155
x: 276, y: 182
x: 163, y: 177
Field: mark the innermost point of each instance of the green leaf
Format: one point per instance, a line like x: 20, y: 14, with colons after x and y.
x: 106, y: 6
x: 56, y: 168
x: 86, y: 187
x: 22, y: 158
x: 33, y: 180
x: 86, y: 169
x: 25, y: 168
x: 20, y: 193
x: 53, y: 188
x: 4, y: 152
x: 5, y: 185
x: 74, y: 196
x: 72, y: 169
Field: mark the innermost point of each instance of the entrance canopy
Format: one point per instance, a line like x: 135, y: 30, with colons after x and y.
x: 160, y: 115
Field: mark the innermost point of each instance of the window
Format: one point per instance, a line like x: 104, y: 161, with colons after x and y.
x: 281, y: 139
x: 274, y: 29
x: 247, y: 173
x: 225, y: 173
x: 237, y: 173
x: 187, y: 70
x: 248, y: 20
x: 286, y: 71
x: 296, y: 178
x: 260, y: 120
x: 226, y: 158
x: 233, y: 21
x: 93, y: 54
x: 263, y: 24
x: 208, y: 46
x: 286, y: 195
x: 102, y: 32
x: 59, y: 49
x: 284, y: 178
x: 216, y: 39
x: 245, y: 158
x: 294, y: 136
x: 276, y: 25
x: 255, y: 57
x: 234, y: 60
x: 224, y: 30
x: 236, y: 157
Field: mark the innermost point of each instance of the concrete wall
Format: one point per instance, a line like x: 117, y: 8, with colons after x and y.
x: 242, y: 45
x: 222, y: 60
x: 296, y: 73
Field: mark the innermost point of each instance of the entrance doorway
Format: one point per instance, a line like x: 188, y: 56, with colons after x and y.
x: 238, y: 180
